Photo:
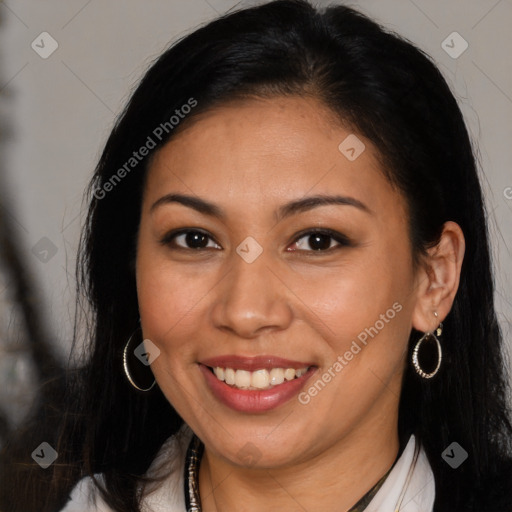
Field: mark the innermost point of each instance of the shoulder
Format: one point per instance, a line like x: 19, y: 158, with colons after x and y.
x: 163, y: 493
x: 85, y: 497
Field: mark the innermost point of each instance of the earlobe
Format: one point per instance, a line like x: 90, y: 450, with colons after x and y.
x: 439, y: 279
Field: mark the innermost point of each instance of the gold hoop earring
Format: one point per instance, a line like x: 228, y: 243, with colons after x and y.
x: 415, y: 361
x: 126, y: 368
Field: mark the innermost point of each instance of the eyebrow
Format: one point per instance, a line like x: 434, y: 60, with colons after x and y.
x: 286, y: 210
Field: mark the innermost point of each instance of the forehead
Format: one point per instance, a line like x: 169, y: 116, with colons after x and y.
x: 266, y: 150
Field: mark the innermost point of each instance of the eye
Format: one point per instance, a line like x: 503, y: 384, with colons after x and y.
x: 321, y: 241
x: 188, y: 239
x: 316, y: 240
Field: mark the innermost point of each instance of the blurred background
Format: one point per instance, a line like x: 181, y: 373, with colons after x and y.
x: 66, y: 70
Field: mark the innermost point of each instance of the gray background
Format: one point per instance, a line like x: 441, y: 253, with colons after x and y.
x: 62, y: 108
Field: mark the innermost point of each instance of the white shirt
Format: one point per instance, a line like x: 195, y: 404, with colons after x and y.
x: 409, y: 487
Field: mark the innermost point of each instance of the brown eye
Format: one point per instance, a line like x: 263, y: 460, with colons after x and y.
x: 321, y: 241
x: 188, y: 239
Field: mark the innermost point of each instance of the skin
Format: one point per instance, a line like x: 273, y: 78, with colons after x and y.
x: 250, y: 158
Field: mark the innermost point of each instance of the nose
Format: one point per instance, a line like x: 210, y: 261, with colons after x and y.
x: 251, y: 300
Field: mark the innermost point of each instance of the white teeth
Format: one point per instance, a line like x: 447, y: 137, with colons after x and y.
x: 259, y: 379
x: 242, y: 379
x: 219, y: 373
x: 276, y: 376
x: 289, y: 374
x: 229, y: 376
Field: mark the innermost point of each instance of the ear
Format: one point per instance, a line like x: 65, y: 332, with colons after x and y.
x: 437, y: 279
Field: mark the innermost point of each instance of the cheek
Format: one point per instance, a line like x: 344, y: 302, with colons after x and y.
x: 167, y: 307
x: 366, y: 306
x: 169, y: 301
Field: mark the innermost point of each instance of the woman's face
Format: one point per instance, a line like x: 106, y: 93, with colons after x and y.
x: 243, y: 270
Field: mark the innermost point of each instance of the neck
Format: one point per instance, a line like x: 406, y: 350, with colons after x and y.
x: 344, y: 473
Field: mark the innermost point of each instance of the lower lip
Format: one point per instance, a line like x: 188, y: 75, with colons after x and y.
x: 254, y: 401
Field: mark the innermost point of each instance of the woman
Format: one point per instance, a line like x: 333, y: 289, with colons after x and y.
x: 287, y: 258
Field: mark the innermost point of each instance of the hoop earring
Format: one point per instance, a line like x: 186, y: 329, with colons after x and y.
x: 127, y: 370
x: 415, y: 361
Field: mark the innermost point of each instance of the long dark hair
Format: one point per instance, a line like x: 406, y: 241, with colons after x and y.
x: 383, y: 87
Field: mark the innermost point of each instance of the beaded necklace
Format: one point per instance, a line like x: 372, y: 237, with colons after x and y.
x: 193, y: 459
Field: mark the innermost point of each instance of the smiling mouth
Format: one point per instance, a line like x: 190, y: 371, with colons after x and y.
x: 259, y: 379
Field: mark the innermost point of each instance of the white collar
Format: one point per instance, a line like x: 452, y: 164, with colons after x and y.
x: 409, y: 487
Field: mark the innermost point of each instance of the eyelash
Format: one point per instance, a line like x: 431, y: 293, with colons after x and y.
x: 342, y: 240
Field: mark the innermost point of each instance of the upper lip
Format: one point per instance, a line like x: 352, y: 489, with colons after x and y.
x: 253, y: 363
